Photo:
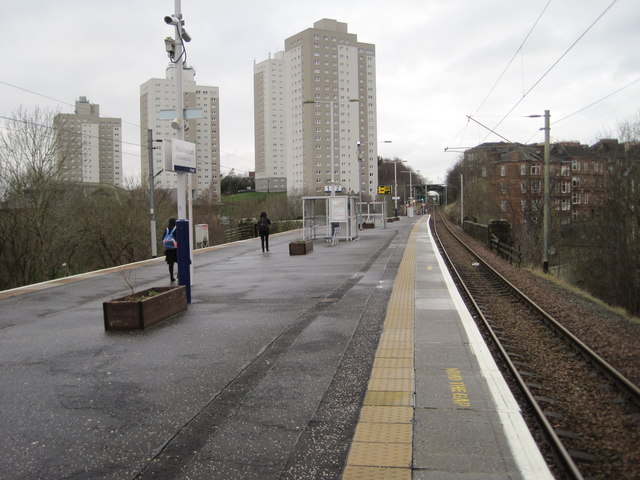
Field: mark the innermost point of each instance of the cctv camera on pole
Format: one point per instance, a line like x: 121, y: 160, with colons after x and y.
x: 179, y: 124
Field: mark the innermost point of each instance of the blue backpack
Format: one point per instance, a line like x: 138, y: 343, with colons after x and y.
x: 169, y: 241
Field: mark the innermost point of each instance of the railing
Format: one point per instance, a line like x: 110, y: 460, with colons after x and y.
x: 241, y: 232
x: 250, y: 230
x: 482, y: 233
x: 505, y: 251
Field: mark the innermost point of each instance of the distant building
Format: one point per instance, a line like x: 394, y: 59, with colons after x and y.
x: 159, y: 94
x: 91, y: 145
x: 323, y: 69
x: 269, y: 125
x: 577, y: 180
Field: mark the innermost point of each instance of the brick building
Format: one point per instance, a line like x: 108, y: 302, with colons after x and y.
x: 512, y: 178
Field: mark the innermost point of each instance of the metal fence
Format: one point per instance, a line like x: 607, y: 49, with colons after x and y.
x: 496, y: 237
x: 250, y: 230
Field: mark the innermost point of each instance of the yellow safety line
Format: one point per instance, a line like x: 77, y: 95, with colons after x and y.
x: 383, y: 441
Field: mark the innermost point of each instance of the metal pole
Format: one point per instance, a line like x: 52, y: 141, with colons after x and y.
x: 152, y: 212
x: 332, y: 152
x: 359, y: 187
x: 461, y: 200
x: 182, y: 176
x: 395, y: 181
x: 545, y: 212
x: 410, y: 189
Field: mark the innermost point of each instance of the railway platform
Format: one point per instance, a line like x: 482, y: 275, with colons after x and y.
x: 358, y: 360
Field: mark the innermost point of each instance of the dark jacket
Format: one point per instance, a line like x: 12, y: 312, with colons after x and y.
x: 263, y: 225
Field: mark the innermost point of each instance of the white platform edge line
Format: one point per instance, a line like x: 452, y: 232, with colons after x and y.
x: 523, y: 447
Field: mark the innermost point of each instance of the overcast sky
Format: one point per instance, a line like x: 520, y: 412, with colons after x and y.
x: 437, y: 62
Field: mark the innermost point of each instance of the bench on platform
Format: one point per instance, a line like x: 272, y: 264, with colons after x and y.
x: 335, y: 234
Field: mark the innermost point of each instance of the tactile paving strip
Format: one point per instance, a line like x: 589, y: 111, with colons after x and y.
x: 384, y: 432
x: 376, y: 473
x: 399, y: 399
x: 383, y: 442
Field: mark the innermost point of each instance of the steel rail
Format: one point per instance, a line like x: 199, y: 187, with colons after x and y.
x: 552, y: 437
x: 623, y: 384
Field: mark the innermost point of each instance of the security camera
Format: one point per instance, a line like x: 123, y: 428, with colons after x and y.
x: 185, y: 36
x: 170, y: 46
x: 358, y: 143
x: 171, y: 20
x: 178, y: 123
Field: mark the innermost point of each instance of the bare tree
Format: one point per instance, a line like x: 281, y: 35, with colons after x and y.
x: 31, y: 183
x: 620, y: 263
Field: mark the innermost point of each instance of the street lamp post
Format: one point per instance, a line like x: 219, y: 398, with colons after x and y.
x: 360, y: 182
x: 152, y: 211
x: 331, y: 104
x: 395, y: 194
x: 395, y: 181
x: 333, y: 181
x: 359, y: 186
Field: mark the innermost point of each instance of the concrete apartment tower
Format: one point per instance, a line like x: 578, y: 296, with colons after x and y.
x: 159, y: 94
x: 269, y: 123
x: 91, y: 144
x: 326, y: 70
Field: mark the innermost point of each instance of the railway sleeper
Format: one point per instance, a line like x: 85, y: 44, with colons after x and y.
x: 568, y: 434
x: 551, y: 414
x: 541, y: 399
x: 582, y: 456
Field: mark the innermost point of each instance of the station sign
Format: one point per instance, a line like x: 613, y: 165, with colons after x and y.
x: 179, y: 156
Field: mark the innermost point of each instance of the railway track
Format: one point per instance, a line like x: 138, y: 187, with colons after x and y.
x: 583, y: 411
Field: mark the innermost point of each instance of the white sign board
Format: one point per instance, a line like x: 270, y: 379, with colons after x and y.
x: 179, y: 156
x: 338, y: 209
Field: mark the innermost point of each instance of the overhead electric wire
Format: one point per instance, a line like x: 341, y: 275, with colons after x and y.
x: 91, y: 136
x: 36, y: 93
x: 588, y: 106
x: 64, y: 130
x: 519, y: 49
x: 512, y: 59
x: 56, y: 100
x: 597, y: 101
x: 552, y: 67
x: 73, y: 132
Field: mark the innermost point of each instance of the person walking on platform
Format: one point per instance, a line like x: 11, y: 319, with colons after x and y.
x: 263, y: 230
x: 170, y: 246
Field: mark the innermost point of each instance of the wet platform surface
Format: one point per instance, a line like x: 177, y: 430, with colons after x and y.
x: 355, y: 361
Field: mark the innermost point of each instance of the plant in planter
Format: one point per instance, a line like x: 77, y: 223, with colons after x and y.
x: 368, y: 225
x: 300, y: 247
x: 142, y: 309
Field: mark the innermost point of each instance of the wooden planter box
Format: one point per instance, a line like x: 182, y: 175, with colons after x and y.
x: 366, y: 225
x: 300, y: 248
x: 139, y: 310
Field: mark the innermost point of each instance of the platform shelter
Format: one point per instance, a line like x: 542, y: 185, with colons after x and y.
x: 319, y: 213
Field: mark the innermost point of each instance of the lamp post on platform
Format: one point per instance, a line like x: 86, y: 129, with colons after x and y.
x: 331, y: 106
x: 395, y: 181
x: 360, y: 182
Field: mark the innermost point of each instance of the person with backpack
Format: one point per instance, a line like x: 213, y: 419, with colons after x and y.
x: 170, y: 246
x: 263, y: 230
